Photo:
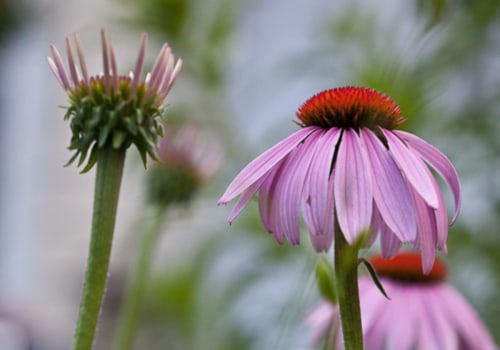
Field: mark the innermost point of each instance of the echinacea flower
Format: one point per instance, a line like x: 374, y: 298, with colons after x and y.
x: 424, y: 312
x: 348, y: 164
x: 187, y: 159
x: 110, y: 109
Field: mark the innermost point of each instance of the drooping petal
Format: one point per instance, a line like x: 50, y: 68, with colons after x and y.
x: 402, y: 334
x: 245, y: 197
x: 322, y: 242
x: 389, y: 242
x: 390, y: 190
x: 426, y: 235
x: 263, y: 163
x: 444, y: 333
x: 439, y: 214
x: 320, y: 320
x: 426, y: 334
x: 440, y: 163
x: 413, y: 168
x: 289, y: 187
x: 318, y: 199
x: 352, y: 187
x: 268, y: 208
x: 373, y: 305
x: 441, y: 217
x: 465, y: 321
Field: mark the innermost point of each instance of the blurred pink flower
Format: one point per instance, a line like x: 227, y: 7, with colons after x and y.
x: 189, y: 149
x: 348, y: 164
x: 423, y: 313
x: 188, y: 158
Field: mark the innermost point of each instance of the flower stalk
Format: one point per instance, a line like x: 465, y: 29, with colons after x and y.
x: 346, y: 273
x: 109, y: 173
x: 133, y: 296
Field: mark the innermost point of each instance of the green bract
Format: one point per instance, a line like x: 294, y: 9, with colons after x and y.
x: 112, y: 120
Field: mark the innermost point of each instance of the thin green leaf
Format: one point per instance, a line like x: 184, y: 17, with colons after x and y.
x: 373, y: 274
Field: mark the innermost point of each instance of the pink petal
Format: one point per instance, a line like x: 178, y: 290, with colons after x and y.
x: 139, y: 63
x: 161, y: 63
x: 71, y: 63
x: 114, y: 67
x: 322, y: 242
x: 167, y: 84
x: 81, y: 59
x: 246, y: 196
x: 465, y: 320
x: 390, y: 190
x: 58, y: 68
x: 426, y: 338
x: 352, y: 187
x: 439, y: 162
x: 404, y: 335
x: 438, y: 320
x: 105, y: 59
x: 268, y: 208
x: 263, y: 163
x: 318, y: 199
x: 390, y: 244
x: 426, y: 236
x: 319, y: 320
x: 289, y: 187
x: 440, y: 217
x: 413, y: 168
x: 374, y: 305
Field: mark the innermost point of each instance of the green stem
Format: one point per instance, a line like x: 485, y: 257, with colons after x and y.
x: 346, y: 272
x: 107, y: 189
x: 134, y: 294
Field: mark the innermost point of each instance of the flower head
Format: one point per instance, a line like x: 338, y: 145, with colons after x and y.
x: 423, y: 312
x: 348, y: 164
x: 186, y: 161
x: 110, y: 109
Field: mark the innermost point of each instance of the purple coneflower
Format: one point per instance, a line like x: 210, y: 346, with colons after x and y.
x: 423, y: 312
x: 113, y: 109
x: 348, y: 164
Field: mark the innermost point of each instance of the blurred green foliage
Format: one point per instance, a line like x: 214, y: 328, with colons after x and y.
x: 10, y: 17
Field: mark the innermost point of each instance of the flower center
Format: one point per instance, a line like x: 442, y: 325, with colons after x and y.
x: 407, y: 268
x: 96, y: 89
x: 350, y: 107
